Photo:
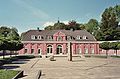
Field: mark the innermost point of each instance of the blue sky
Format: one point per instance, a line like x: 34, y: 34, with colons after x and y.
x: 30, y: 14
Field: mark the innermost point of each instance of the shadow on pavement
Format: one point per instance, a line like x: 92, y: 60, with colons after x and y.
x: 9, y: 67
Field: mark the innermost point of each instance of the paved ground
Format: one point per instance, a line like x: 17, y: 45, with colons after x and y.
x: 79, y: 68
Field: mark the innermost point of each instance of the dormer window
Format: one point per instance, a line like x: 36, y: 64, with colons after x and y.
x: 69, y: 37
x: 85, y: 37
x: 33, y: 37
x: 78, y: 37
x: 59, y: 38
x: 50, y: 38
x: 39, y: 37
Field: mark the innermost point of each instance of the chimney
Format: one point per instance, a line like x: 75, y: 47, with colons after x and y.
x: 38, y: 29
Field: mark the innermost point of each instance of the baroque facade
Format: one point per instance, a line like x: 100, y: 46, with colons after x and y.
x: 55, y: 42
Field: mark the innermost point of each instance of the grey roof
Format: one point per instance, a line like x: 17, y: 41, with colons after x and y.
x: 26, y: 36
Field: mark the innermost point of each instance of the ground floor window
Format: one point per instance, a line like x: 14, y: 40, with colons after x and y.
x: 25, y: 51
x: 49, y: 49
x: 32, y: 50
x: 92, y: 50
x: 86, y: 50
x: 39, y: 51
x: 59, y: 49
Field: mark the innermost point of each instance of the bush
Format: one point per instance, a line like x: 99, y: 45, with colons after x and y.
x: 25, y: 57
x: 115, y: 56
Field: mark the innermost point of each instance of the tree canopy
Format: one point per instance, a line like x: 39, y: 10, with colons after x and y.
x: 107, y: 29
x: 59, y: 26
x: 9, y: 39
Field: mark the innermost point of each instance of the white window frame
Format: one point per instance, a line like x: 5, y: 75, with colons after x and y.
x: 33, y: 37
x: 59, y: 38
x: 84, y: 37
x: 49, y: 37
x: 69, y: 37
x: 78, y: 37
x: 92, y: 50
x: 39, y: 37
x: 86, y: 50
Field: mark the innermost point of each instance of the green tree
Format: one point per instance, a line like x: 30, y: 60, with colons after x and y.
x: 9, y: 39
x: 92, y: 26
x: 59, y: 25
x: 106, y: 46
x: 73, y: 25
x: 115, y: 46
x: 109, y: 24
x: 117, y: 11
x: 14, y: 40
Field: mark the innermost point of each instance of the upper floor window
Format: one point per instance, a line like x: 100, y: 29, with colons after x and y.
x: 33, y: 37
x: 78, y: 37
x: 69, y: 37
x: 40, y: 37
x: 50, y: 37
x: 85, y: 37
x: 59, y: 38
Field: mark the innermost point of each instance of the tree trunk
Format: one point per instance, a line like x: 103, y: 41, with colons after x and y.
x: 3, y: 54
x: 116, y: 52
x: 106, y: 53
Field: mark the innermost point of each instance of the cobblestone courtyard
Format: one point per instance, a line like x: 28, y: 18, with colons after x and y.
x: 79, y: 68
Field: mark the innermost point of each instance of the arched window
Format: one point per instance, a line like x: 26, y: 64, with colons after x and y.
x: 50, y: 38
x: 25, y: 51
x: 78, y: 37
x: 85, y: 37
x: 59, y: 49
x: 32, y: 50
x: 59, y: 38
x: 39, y: 51
x: 86, y: 50
x: 39, y: 37
x: 92, y: 50
x: 49, y: 49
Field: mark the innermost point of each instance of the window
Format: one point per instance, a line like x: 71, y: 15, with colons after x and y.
x: 32, y: 36
x: 85, y: 37
x: 25, y: 51
x: 92, y: 50
x: 59, y: 38
x: 49, y: 49
x: 50, y: 37
x: 39, y: 37
x: 39, y: 51
x: 86, y: 50
x: 59, y: 49
x: 32, y: 50
x: 69, y: 37
x: 78, y: 37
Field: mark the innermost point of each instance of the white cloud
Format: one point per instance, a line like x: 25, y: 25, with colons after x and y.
x: 48, y: 23
x: 33, y: 10
x: 52, y: 23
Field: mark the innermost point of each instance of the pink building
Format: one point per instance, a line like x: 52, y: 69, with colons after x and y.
x: 55, y: 42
